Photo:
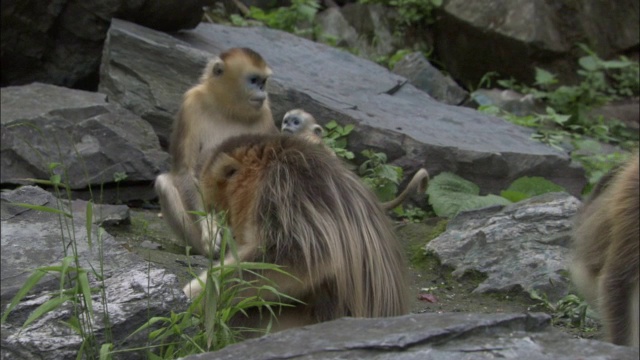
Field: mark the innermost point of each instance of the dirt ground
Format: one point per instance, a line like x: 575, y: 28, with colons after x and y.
x: 432, y: 287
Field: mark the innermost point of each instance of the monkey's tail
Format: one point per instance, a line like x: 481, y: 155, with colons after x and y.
x: 420, y: 181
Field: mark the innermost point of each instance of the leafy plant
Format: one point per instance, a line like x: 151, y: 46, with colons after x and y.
x: 449, y: 194
x: 336, y: 138
x: 527, y: 187
x: 381, y: 177
x: 601, y: 82
x: 571, y: 310
x: 411, y: 12
x: 411, y: 213
x: 287, y: 18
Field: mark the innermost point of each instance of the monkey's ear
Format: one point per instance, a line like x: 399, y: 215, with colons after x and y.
x: 225, y: 167
x: 317, y: 129
x: 214, y: 68
x: 218, y: 69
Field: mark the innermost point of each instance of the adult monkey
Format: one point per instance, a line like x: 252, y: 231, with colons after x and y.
x: 229, y: 100
x: 606, y: 243
x: 300, y: 123
x: 293, y: 204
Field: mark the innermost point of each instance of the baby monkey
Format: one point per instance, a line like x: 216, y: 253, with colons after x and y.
x: 606, y: 242
x: 300, y: 123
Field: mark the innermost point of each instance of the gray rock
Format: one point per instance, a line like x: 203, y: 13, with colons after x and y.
x: 412, y: 128
x: 60, y: 42
x: 515, y: 36
x: 424, y: 336
x: 524, y: 245
x: 421, y: 74
x: 33, y: 239
x: 332, y: 24
x: 91, y: 139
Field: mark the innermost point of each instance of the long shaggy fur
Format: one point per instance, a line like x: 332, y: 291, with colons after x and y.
x: 292, y: 203
x: 606, y: 255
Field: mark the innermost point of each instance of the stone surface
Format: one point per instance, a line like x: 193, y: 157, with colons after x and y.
x: 60, y: 42
x: 532, y: 236
x: 513, y: 37
x: 32, y: 239
x: 445, y: 336
x: 91, y: 139
x: 509, y: 100
x: 139, y: 71
x: 421, y: 74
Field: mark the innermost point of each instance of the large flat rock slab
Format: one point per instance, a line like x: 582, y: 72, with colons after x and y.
x: 448, y: 336
x: 147, y: 72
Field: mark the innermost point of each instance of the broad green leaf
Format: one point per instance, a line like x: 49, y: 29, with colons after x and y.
x: 105, y: 349
x: 543, y: 77
x: 533, y: 186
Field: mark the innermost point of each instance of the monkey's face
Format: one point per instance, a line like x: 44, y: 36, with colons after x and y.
x: 300, y: 122
x: 244, y: 82
x: 229, y: 184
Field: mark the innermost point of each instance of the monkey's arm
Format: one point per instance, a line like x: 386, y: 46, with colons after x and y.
x: 419, y: 181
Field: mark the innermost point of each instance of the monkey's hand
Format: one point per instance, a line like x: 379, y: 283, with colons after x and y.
x: 211, y: 235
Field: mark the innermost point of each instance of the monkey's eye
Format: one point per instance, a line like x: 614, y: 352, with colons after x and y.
x: 254, y: 80
x: 296, y: 122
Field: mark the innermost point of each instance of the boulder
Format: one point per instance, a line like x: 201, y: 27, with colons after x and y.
x: 32, y: 239
x: 147, y: 71
x: 93, y: 140
x: 513, y: 37
x: 447, y: 336
x: 60, y: 42
x: 532, y: 236
x: 421, y: 74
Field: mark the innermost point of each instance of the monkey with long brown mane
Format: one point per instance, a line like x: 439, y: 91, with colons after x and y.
x: 606, y: 240
x: 292, y: 203
x: 229, y: 100
x: 300, y: 123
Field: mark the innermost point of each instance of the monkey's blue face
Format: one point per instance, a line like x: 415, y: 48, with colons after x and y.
x: 255, y: 84
x: 292, y: 123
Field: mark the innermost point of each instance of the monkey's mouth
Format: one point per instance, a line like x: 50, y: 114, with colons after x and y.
x: 287, y: 130
x: 257, y: 103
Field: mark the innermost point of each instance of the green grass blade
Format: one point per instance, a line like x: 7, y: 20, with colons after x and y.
x: 105, y: 349
x: 83, y: 280
x: 43, y: 209
x: 45, y: 308
x: 28, y: 285
x: 89, y: 223
x: 63, y: 271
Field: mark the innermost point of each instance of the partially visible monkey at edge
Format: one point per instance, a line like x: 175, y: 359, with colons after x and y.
x: 606, y: 242
x: 229, y: 100
x: 300, y: 123
x: 292, y: 203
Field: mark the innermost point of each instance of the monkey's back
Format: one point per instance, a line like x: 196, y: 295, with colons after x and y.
x: 313, y: 212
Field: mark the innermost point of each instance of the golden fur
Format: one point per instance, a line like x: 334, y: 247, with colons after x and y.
x: 291, y: 203
x: 606, y: 258
x: 225, y: 103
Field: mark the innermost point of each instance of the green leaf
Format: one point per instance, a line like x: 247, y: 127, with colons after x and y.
x: 43, y: 209
x: 450, y: 194
x: 48, y: 306
x: 589, y: 63
x: 31, y: 281
x: 514, y: 196
x: 544, y: 78
x: 83, y: 280
x: 89, y: 222
x: 105, y: 349
x: 532, y: 186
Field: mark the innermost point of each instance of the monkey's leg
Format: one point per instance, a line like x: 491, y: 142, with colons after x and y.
x: 617, y: 283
